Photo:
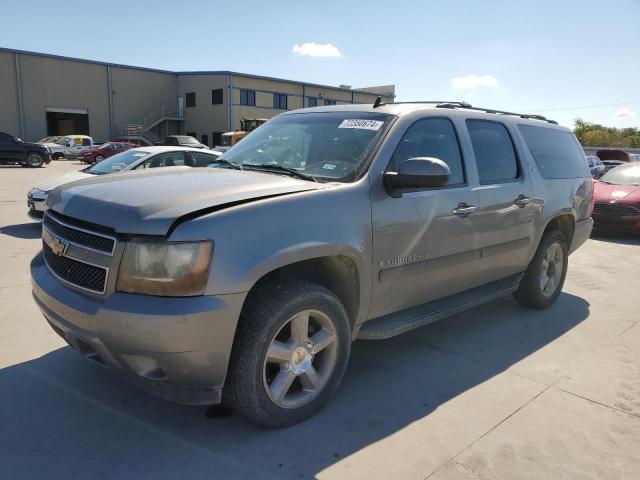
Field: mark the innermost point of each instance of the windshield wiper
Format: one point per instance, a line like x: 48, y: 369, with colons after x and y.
x: 223, y: 161
x: 279, y: 168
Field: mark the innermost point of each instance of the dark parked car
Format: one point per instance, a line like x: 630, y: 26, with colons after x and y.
x: 14, y: 151
x: 613, y: 157
x: 99, y: 153
x: 617, y: 200
x: 182, y: 141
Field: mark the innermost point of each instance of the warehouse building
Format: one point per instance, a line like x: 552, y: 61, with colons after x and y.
x: 42, y: 95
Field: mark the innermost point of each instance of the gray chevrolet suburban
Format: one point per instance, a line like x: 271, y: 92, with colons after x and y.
x: 247, y: 282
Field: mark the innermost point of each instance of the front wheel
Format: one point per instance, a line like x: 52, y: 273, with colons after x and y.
x: 34, y: 159
x: 291, y: 351
x: 543, y: 280
x: 98, y: 158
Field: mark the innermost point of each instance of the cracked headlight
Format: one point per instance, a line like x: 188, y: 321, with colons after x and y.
x: 168, y: 269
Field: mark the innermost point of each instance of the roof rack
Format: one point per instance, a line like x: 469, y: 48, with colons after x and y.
x: 468, y: 106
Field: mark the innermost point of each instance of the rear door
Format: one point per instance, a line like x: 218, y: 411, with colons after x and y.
x: 422, y: 250
x: 504, y: 222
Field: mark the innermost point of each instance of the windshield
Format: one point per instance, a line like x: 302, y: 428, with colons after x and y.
x: 117, y: 162
x: 623, y: 175
x: 333, y: 146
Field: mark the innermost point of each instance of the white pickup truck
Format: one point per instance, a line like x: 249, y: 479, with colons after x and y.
x: 69, y: 146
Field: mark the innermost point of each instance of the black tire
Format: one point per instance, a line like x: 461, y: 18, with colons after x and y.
x: 34, y: 159
x: 97, y: 158
x: 531, y: 293
x: 266, y: 314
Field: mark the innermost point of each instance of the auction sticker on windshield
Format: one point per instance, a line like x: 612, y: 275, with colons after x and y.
x: 359, y: 123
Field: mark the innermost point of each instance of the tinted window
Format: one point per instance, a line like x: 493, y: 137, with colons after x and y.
x: 432, y: 137
x: 247, y: 97
x: 280, y: 101
x: 86, y: 142
x: 169, y: 159
x: 494, y: 151
x: 216, y: 96
x: 557, y: 153
x: 202, y: 159
x: 191, y: 99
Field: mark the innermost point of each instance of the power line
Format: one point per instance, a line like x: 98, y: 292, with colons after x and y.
x: 580, y: 107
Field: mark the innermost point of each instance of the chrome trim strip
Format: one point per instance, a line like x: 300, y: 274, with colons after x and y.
x: 106, y: 274
x: 73, y: 227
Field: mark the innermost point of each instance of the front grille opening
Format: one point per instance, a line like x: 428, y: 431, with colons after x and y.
x: 615, y: 209
x: 86, y: 239
x: 75, y: 272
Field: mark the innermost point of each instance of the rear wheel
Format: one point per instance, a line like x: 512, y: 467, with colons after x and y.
x: 98, y: 158
x: 543, y: 280
x: 290, y: 353
x: 34, y: 159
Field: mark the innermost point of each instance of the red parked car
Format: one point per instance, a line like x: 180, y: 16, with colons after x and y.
x: 617, y: 200
x: 96, y: 154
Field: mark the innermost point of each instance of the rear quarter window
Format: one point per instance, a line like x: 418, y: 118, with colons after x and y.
x: 557, y: 153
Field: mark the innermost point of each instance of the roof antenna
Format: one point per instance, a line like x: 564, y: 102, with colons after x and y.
x: 378, y: 102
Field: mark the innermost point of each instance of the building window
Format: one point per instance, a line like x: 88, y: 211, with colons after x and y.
x: 248, y: 97
x: 329, y: 102
x: 280, y: 101
x: 215, y: 138
x: 205, y: 140
x: 191, y: 99
x: 216, y: 96
x: 312, y: 102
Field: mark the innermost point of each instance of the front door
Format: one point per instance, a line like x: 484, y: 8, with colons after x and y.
x: 9, y: 149
x: 422, y: 250
x: 504, y: 222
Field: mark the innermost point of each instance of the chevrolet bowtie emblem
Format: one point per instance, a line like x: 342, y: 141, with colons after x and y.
x: 56, y: 244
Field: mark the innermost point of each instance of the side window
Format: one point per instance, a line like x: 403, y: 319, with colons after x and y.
x: 86, y: 142
x: 557, y: 152
x: 494, y: 151
x: 432, y: 137
x: 202, y: 159
x: 169, y: 159
x: 5, y: 138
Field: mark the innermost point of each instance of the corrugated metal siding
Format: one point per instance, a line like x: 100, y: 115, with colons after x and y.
x: 9, y: 120
x: 49, y: 82
x: 205, y: 118
x: 138, y: 93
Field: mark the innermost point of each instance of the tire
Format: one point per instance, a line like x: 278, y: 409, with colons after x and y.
x: 273, y: 321
x: 34, y: 160
x: 97, y: 158
x: 536, y: 289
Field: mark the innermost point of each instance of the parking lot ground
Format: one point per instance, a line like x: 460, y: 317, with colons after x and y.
x: 498, y: 392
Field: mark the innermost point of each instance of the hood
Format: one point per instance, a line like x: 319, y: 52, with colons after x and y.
x: 148, y: 203
x: 609, y: 193
x: 66, y: 178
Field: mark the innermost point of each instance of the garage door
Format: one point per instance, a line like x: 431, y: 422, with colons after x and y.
x: 67, y: 121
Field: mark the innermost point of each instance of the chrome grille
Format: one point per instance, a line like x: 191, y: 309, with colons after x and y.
x: 81, y: 274
x: 79, y: 236
x: 615, y: 210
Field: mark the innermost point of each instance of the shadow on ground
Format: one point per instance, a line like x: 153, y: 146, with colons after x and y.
x: 27, y: 231
x: 62, y: 416
x: 621, y: 239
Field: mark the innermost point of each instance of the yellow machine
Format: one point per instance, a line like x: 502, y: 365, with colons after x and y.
x: 247, y: 125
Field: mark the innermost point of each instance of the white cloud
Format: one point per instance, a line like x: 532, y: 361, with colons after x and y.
x: 470, y: 82
x: 313, y: 49
x: 624, y: 113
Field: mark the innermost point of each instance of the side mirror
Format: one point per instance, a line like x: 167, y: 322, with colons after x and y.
x: 419, y: 172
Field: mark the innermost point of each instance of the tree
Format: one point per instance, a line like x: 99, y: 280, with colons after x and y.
x: 595, y: 135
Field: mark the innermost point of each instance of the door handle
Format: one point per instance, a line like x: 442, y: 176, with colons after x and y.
x: 521, y: 201
x: 463, y: 210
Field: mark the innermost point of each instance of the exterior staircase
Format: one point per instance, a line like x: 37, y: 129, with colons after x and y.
x: 143, y: 130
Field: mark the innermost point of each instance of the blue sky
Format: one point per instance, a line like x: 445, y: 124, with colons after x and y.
x: 535, y: 56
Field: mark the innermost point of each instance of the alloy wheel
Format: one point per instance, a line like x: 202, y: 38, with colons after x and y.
x: 34, y: 160
x: 551, y: 269
x: 300, y: 359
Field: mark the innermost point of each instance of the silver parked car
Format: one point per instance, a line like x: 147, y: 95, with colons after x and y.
x: 250, y: 281
x: 133, y: 159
